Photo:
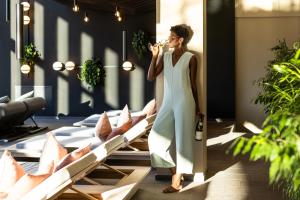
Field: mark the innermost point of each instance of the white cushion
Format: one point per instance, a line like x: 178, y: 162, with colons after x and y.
x: 70, y: 137
x: 25, y: 96
x: 4, y: 99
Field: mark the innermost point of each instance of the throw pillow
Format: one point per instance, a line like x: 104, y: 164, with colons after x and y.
x: 4, y: 99
x: 120, y: 130
x: 73, y: 156
x: 10, y: 171
x: 137, y: 119
x: 25, y: 185
x: 103, y: 127
x: 25, y: 96
x: 3, y: 195
x: 150, y: 108
x: 52, y: 152
x: 124, y: 117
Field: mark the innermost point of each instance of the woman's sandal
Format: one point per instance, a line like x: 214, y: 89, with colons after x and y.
x: 171, y: 189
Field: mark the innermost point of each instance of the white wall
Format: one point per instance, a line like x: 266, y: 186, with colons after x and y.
x: 190, y: 12
x: 259, y: 25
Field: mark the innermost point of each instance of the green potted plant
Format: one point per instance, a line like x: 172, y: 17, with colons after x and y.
x: 92, y: 72
x: 279, y: 142
x: 31, y: 54
x: 139, y: 43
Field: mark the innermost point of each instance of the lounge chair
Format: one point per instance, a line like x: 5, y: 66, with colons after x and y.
x: 73, y: 137
x: 14, y: 113
x: 65, y: 178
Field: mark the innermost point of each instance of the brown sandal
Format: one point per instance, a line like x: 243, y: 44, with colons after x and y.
x: 171, y: 189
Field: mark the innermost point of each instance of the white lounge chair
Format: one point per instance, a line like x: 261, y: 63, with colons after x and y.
x: 65, y: 179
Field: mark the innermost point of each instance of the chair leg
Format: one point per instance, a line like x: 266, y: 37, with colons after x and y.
x: 132, y: 148
x: 87, y: 196
x: 34, y: 122
x: 116, y: 170
x: 91, y: 181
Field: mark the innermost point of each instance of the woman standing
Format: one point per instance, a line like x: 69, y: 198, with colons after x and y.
x: 176, y: 117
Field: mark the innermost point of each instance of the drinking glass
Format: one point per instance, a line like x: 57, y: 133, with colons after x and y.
x: 161, y: 43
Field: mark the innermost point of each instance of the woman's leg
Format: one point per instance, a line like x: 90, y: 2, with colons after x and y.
x: 160, y: 140
x: 184, y: 135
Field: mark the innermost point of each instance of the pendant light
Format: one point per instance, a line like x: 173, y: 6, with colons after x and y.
x: 127, y: 65
x: 26, y: 6
x: 118, y: 13
x: 75, y: 6
x: 7, y: 8
x: 86, y: 17
x: 58, y: 66
x: 25, y: 69
x: 70, y: 65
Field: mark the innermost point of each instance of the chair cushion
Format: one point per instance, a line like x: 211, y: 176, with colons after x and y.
x: 4, y: 99
x: 10, y: 171
x: 103, y: 127
x: 25, y: 96
x: 150, y: 108
x: 52, y: 152
x: 73, y: 156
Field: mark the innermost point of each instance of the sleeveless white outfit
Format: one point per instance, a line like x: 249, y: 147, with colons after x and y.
x: 176, y: 117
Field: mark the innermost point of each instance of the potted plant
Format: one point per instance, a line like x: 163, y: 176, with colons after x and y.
x: 92, y: 72
x: 31, y: 54
x: 140, y: 43
x: 280, y: 138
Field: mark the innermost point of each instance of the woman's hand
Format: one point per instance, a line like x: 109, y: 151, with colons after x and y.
x: 199, y: 115
x: 154, y: 49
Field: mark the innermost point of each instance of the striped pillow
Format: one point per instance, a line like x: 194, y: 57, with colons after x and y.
x: 4, y: 99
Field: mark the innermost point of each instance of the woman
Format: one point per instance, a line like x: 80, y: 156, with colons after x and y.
x: 176, y: 117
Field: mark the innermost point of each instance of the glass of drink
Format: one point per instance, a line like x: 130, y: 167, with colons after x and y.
x: 161, y: 43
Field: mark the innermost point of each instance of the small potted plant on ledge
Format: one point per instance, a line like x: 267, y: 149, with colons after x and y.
x: 140, y: 43
x: 92, y: 72
x: 31, y: 54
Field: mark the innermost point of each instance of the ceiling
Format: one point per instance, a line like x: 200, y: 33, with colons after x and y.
x: 130, y: 7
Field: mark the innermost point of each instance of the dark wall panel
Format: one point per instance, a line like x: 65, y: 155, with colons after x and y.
x: 105, y: 32
x: 6, y: 45
x: 220, y: 58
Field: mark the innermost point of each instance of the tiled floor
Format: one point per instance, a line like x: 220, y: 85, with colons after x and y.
x: 227, y: 177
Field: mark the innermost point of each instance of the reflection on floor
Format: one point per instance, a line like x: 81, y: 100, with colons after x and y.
x: 228, y: 178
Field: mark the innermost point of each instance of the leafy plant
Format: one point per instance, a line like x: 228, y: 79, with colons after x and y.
x: 92, y: 72
x: 31, y: 54
x: 139, y: 43
x: 279, y: 143
x: 279, y: 80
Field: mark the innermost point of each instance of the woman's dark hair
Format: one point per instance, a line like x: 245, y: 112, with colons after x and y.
x: 180, y: 31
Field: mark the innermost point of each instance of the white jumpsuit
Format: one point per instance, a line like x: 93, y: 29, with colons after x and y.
x: 176, y: 117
